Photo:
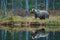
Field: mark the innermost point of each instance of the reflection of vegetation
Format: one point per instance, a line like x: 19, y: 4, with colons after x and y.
x: 16, y: 35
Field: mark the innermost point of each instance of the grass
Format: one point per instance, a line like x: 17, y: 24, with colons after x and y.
x: 52, y: 20
x: 17, y: 18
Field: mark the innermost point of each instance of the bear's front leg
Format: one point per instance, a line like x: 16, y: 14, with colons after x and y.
x: 35, y: 16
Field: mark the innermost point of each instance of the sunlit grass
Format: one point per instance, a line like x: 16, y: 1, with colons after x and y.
x: 53, y: 20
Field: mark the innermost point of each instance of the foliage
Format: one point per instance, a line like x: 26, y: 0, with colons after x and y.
x: 31, y: 4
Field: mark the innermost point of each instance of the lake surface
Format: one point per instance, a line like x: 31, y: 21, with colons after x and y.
x: 26, y: 35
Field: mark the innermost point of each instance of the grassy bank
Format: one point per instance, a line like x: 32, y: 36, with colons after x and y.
x: 52, y: 23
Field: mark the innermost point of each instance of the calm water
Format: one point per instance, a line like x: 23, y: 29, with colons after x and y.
x: 26, y: 35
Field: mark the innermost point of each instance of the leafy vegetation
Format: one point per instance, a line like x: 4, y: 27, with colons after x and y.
x: 41, y: 4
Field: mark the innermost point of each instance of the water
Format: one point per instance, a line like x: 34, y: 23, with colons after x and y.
x: 26, y: 35
x: 3, y: 34
x: 47, y: 38
x: 20, y: 37
x: 13, y: 34
x: 53, y: 35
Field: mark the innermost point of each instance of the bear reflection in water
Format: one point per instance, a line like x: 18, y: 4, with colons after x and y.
x: 39, y: 33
